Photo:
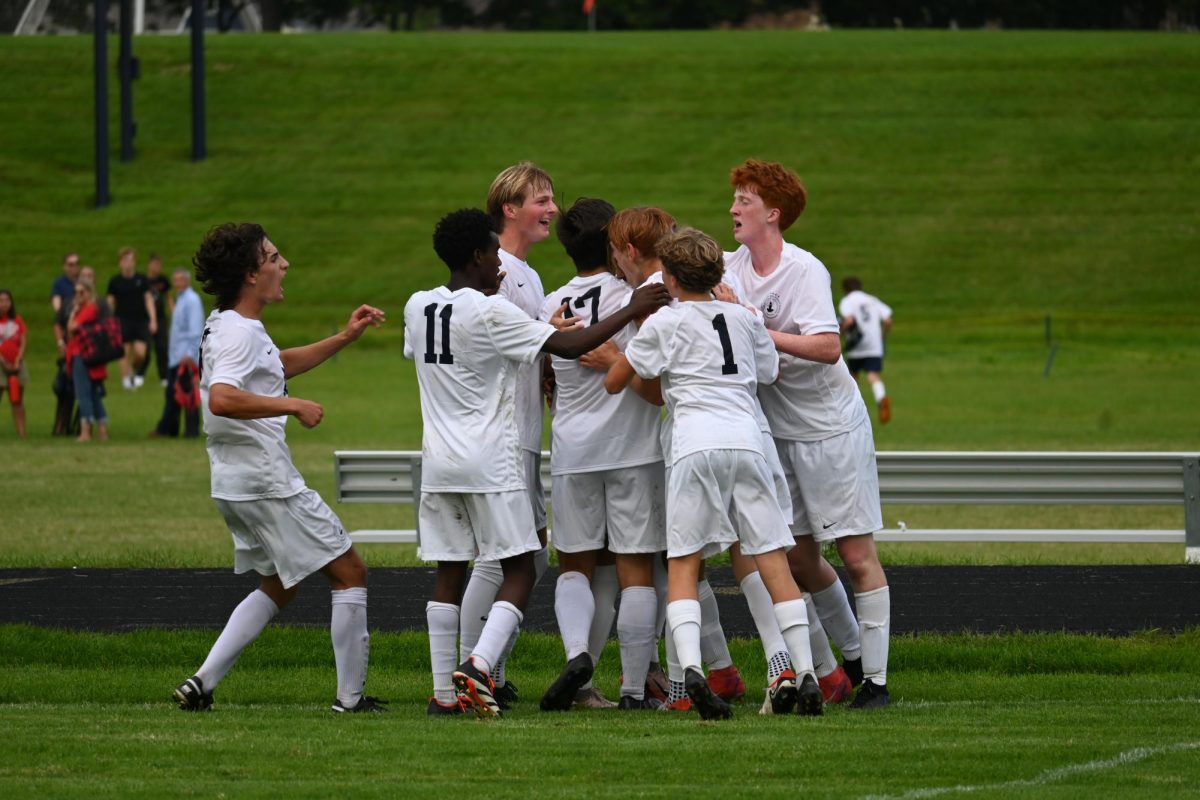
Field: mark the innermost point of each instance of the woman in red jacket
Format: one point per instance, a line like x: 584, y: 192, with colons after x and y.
x: 12, y: 358
x: 89, y: 381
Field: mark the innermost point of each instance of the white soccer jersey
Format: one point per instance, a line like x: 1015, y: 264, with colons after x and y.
x: 711, y: 357
x: 468, y: 349
x: 523, y: 288
x: 810, y: 401
x: 592, y: 429
x: 250, y: 459
x: 869, y: 312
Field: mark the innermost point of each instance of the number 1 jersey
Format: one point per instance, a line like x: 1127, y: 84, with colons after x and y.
x: 467, y: 348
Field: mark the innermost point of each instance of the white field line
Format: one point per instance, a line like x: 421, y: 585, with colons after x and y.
x: 1148, y: 701
x: 1049, y: 776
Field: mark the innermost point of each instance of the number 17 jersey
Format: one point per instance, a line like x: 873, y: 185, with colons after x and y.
x: 467, y: 348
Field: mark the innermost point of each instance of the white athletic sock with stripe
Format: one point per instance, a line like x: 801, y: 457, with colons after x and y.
x: 477, y: 601
x: 442, y: 619
x: 792, y: 616
x: 683, y: 618
x: 502, y: 620
x: 833, y: 607
x: 763, y: 612
x: 351, y: 643
x: 245, y: 624
x: 574, y: 607
x: 824, y: 661
x: 712, y: 635
x: 635, y: 631
x: 875, y: 618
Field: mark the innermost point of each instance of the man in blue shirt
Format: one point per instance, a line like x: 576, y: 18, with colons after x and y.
x: 187, y: 326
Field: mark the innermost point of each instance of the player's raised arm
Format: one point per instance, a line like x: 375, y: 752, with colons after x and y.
x: 298, y: 360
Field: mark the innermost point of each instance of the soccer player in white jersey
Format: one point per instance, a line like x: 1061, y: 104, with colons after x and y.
x: 866, y: 322
x: 710, y: 356
x: 281, y: 529
x: 819, y: 420
x: 607, y: 478
x: 521, y: 201
x: 474, y: 503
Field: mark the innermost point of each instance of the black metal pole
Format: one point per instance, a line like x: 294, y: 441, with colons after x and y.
x: 199, y: 146
x: 100, y: 70
x: 125, y: 70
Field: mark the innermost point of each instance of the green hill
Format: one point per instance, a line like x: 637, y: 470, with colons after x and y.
x: 977, y: 181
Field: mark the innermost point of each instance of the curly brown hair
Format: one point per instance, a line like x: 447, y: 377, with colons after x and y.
x: 777, y: 185
x: 693, y: 258
x: 227, y: 255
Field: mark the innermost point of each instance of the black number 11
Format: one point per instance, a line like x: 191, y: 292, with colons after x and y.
x: 730, y: 366
x: 445, y: 357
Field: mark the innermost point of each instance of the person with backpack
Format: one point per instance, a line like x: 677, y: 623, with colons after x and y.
x: 89, y: 379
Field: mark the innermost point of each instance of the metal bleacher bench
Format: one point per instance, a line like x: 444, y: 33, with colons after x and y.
x: 918, y: 478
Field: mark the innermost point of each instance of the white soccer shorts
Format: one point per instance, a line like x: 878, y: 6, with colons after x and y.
x: 457, y: 526
x: 623, y: 507
x: 533, y: 484
x: 291, y: 537
x: 834, y: 484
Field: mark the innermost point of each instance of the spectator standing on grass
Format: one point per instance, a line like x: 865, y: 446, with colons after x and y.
x: 521, y: 202
x: 61, y: 295
x: 820, y: 423
x: 13, y: 338
x: 159, y: 341
x: 281, y: 529
x: 866, y: 322
x: 475, y: 504
x: 66, y: 416
x: 187, y: 325
x: 130, y: 298
x: 88, y: 380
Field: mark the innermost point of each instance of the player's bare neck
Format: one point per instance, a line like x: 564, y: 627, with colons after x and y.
x: 514, y: 243
x: 766, y: 252
x: 249, y: 307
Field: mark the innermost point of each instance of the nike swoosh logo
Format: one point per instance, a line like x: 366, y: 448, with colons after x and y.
x: 520, y: 285
x: 827, y: 527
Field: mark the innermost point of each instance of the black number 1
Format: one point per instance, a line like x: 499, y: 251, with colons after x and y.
x: 445, y: 357
x: 730, y: 366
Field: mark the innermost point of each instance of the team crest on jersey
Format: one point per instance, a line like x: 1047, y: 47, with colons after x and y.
x: 770, y: 307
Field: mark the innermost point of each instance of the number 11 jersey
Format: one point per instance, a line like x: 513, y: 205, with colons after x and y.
x: 467, y: 348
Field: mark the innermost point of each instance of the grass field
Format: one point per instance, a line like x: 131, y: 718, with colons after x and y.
x: 1056, y: 716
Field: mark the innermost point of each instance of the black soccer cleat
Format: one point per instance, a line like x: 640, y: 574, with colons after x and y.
x: 630, y: 703
x: 853, y: 668
x: 871, y: 695
x: 704, y: 700
x: 561, y: 694
x: 506, y: 695
x: 190, y: 696
x: 476, y: 687
x: 458, y: 707
x: 809, y: 700
x: 365, y: 705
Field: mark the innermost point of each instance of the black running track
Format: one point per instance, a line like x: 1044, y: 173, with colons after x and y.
x: 1096, y: 599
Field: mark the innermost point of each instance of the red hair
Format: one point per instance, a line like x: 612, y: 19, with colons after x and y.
x: 777, y: 185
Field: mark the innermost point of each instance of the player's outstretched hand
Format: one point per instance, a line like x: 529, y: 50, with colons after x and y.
x: 601, y: 358
x: 649, y: 298
x: 309, y: 413
x: 564, y: 323
x: 725, y: 293
x: 363, y: 316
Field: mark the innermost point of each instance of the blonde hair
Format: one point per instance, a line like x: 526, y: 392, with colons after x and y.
x: 641, y: 226
x: 693, y: 258
x: 514, y: 185
x: 84, y: 283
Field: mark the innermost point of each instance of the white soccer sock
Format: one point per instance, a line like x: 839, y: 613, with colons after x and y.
x: 635, y: 631
x: 712, y: 635
x: 875, y: 619
x: 502, y: 620
x: 674, y: 671
x: 763, y: 612
x: 245, y: 624
x: 833, y: 607
x: 442, y: 619
x: 683, y: 618
x: 793, y: 623
x: 351, y: 642
x: 824, y: 661
x: 605, y: 589
x: 477, y: 601
x: 879, y: 390
x: 574, y: 608
x: 499, y: 672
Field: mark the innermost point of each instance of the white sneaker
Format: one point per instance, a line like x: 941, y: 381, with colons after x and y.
x: 138, y: 380
x: 127, y: 383
x: 163, y: 383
